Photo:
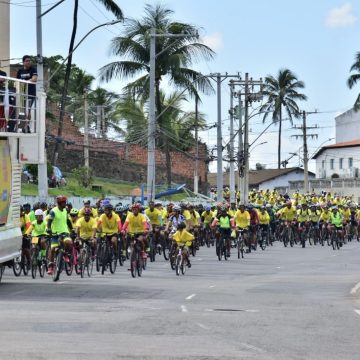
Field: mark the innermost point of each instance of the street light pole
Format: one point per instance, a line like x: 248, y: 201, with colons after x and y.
x: 231, y: 152
x: 152, y: 122
x: 196, y: 175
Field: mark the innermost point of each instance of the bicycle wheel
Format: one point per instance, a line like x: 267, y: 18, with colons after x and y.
x: 2, y: 269
x: 239, y: 248
x: 133, y: 263
x: 193, y: 249
x: 42, y: 267
x: 98, y: 257
x: 34, y: 263
x: 112, y: 260
x: 178, y: 265
x: 17, y: 266
x: 69, y: 266
x: 143, y: 263
x: 224, y: 250
x: 25, y: 265
x: 104, y: 257
x: 140, y: 265
x: 81, y: 264
x: 219, y: 250
x: 58, y: 265
x: 166, y: 251
x: 89, y: 264
x: 183, y: 267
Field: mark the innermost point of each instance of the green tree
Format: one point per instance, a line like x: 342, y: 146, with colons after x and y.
x: 354, y: 78
x: 175, y: 56
x: 111, y: 6
x: 282, y: 93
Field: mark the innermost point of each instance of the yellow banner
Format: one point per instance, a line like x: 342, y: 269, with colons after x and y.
x: 5, y: 181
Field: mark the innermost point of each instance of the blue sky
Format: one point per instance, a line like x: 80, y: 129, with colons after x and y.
x: 317, y: 40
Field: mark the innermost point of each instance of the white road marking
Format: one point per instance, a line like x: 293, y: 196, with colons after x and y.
x: 357, y: 311
x: 190, y: 296
x: 252, y: 347
x: 199, y: 259
x: 252, y: 311
x: 278, y: 267
x: 203, y: 326
x: 211, y: 286
x: 209, y: 310
x: 355, y: 289
x: 183, y: 308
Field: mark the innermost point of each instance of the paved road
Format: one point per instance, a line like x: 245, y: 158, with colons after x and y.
x: 277, y: 304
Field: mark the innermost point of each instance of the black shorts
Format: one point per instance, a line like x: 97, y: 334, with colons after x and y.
x: 26, y: 242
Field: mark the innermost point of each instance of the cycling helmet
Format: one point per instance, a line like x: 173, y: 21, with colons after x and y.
x: 74, y: 211
x: 39, y: 212
x: 119, y: 208
x: 108, y: 207
x: 61, y: 199
x: 87, y: 202
x: 105, y: 202
x: 268, y: 205
x: 207, y: 208
x: 86, y: 211
x: 136, y: 206
x: 27, y: 206
x: 43, y: 205
x: 176, y: 208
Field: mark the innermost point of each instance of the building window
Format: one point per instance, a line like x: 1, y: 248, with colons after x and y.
x: 341, y: 163
x: 332, y: 164
x: 323, y: 164
x: 350, y: 162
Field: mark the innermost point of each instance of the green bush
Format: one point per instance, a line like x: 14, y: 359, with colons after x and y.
x: 84, y: 176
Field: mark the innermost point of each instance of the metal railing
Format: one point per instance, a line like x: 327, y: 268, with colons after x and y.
x: 19, y: 107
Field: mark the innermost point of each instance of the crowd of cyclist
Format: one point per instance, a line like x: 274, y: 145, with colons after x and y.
x: 266, y: 217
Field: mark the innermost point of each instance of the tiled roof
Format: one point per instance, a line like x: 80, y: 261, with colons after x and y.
x: 344, y: 144
x: 256, y: 177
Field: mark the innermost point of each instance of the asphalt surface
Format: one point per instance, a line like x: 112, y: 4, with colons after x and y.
x: 274, y: 304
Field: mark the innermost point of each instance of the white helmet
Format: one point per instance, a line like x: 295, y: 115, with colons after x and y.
x: 39, y: 212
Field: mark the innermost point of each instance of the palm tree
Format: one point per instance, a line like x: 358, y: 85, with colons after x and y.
x: 354, y: 78
x: 281, y: 93
x: 111, y: 6
x: 174, y: 59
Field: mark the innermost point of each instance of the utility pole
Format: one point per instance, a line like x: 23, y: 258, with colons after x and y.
x: 305, y: 135
x: 219, y: 178
x: 231, y: 152
x: 196, y: 175
x: 86, y: 131
x: 98, y: 121
x: 250, y: 96
x: 42, y: 168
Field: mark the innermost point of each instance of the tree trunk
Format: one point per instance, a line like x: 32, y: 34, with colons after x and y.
x: 279, y: 142
x: 66, y: 82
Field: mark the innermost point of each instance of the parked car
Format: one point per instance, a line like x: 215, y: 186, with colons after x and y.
x: 56, y: 179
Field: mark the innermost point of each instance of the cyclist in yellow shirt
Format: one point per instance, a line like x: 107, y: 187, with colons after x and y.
x: 183, y: 238
x: 109, y: 224
x: 155, y: 217
x: 85, y: 229
x: 87, y: 205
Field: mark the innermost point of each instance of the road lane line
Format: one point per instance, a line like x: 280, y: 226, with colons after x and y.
x: 211, y: 286
x: 183, y: 308
x: 355, y: 289
x: 190, y: 296
x: 252, y: 347
x: 199, y: 259
x: 357, y: 311
x: 203, y: 326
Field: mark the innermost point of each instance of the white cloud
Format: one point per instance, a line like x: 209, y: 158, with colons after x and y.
x: 341, y: 16
x: 214, y: 41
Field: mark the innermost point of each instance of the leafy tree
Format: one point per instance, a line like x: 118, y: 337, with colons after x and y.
x: 84, y: 176
x: 111, y: 6
x: 282, y: 93
x: 354, y: 78
x: 174, y: 59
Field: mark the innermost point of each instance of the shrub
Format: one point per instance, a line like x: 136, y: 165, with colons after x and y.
x: 84, y: 176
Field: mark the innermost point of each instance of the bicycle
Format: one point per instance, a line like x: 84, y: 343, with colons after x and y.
x: 85, y: 259
x: 136, y: 258
x: 336, y: 241
x: 221, y: 249
x: 264, y: 238
x: 181, y: 261
x: 38, y: 261
x: 241, y: 243
x: 107, y: 255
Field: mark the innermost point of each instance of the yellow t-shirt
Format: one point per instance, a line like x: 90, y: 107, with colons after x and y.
x: 264, y: 218
x: 242, y: 219
x: 207, y: 216
x: 346, y: 213
x: 136, y: 223
x: 183, y: 237
x: 154, y: 216
x: 25, y: 223
x: 86, y: 227
x: 325, y: 216
x: 314, y: 216
x: 287, y: 214
x: 109, y: 226
x: 303, y: 215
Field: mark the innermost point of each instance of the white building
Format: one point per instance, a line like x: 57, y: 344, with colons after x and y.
x: 347, y: 126
x: 340, y: 160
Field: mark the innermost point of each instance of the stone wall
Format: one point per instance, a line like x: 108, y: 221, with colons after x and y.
x: 121, y: 160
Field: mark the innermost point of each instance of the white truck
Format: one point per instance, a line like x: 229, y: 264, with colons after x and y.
x: 22, y: 136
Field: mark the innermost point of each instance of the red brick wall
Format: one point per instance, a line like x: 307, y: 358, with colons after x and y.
x: 182, y: 164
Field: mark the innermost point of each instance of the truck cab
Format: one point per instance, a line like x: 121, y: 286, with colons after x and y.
x: 22, y: 141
